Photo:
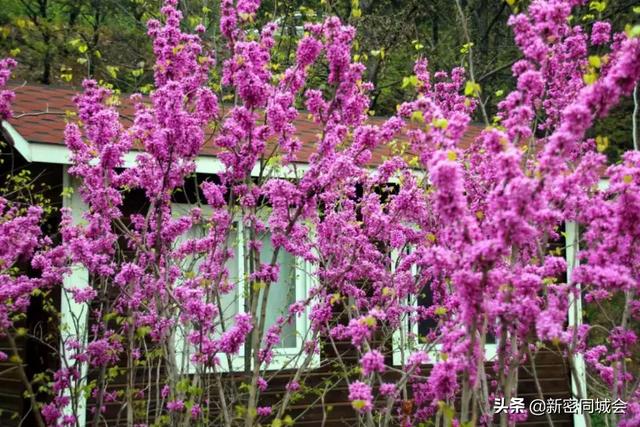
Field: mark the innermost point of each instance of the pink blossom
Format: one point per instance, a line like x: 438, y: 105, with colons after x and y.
x: 372, y: 361
x: 264, y: 411
x: 175, y: 406
x: 360, y: 396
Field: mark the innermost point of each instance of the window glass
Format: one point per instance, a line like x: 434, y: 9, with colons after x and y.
x: 228, y: 301
x: 425, y: 326
x: 282, y: 293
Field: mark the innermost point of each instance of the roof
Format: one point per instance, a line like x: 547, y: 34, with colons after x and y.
x: 40, y: 116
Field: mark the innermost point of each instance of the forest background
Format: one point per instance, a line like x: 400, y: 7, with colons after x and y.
x: 62, y: 42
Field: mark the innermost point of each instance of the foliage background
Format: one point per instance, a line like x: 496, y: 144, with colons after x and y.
x: 65, y: 41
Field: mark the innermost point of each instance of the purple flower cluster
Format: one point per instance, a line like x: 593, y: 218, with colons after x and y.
x: 472, y: 227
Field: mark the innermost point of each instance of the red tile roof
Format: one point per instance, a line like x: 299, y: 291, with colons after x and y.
x: 40, y: 113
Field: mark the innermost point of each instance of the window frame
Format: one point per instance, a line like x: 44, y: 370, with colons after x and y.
x: 572, y: 249
x: 283, y: 357
x: 400, y: 345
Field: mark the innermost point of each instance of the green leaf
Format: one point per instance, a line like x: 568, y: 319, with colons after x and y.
x: 183, y: 385
x: 67, y: 192
x: 409, y: 81
x: 466, y: 48
x: 143, y: 331
x: 146, y: 89
x: 441, y: 123
x: 590, y: 78
x: 358, y: 404
x: 602, y: 142
x: 633, y: 31
x: 472, y: 89
x: 447, y: 411
x: 417, y: 116
x: 598, y: 6
x: 113, y: 71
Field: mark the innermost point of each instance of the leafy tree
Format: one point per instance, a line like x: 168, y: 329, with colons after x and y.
x: 472, y: 227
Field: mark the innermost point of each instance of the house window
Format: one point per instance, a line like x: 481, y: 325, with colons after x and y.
x: 292, y: 285
x: 409, y: 337
x: 425, y: 326
x: 403, y: 345
x: 282, y: 293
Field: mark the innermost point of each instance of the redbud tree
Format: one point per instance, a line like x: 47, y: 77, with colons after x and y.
x: 472, y: 227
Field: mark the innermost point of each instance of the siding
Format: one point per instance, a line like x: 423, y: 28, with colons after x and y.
x: 336, y: 409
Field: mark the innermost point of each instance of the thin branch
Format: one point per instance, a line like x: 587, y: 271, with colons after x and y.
x: 634, y: 118
x: 498, y: 69
x: 465, y: 31
x: 25, y: 380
